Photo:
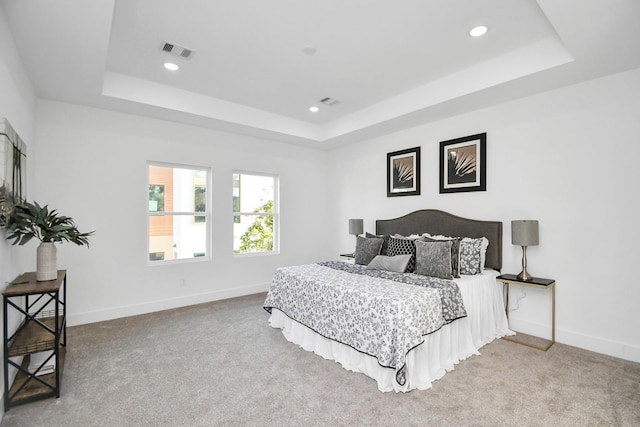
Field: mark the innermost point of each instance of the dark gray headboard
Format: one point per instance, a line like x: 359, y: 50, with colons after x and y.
x: 438, y: 222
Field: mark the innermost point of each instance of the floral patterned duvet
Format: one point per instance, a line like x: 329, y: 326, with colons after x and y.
x: 379, y: 313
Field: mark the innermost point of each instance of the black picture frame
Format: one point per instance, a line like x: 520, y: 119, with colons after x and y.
x: 403, y: 172
x: 463, y: 164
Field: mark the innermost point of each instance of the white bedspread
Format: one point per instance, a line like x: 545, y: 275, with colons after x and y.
x: 441, y: 350
x: 370, y: 311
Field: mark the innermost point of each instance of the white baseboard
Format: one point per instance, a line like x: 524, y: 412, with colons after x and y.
x: 600, y: 345
x: 597, y: 344
x: 75, y: 319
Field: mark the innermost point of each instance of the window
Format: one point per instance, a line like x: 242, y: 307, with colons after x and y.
x: 255, y: 213
x: 200, y: 201
x: 179, y: 212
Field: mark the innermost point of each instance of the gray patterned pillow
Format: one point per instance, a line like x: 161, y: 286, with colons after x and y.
x: 383, y: 251
x: 367, y: 249
x: 470, y: 256
x: 403, y: 247
x: 455, y: 251
x: 434, y: 258
x: 396, y: 263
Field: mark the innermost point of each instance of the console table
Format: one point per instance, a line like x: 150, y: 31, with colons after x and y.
x: 536, y: 282
x: 41, y: 335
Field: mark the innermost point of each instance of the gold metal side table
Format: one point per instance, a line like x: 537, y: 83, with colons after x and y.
x: 536, y: 282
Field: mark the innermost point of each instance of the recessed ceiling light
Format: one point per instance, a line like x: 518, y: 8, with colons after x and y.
x: 478, y: 31
x: 314, y: 109
x: 171, y: 66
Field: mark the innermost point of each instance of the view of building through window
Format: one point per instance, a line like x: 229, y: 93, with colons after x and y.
x: 179, y: 214
x: 255, y: 213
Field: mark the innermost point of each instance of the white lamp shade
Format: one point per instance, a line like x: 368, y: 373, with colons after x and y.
x: 524, y: 232
x: 356, y: 226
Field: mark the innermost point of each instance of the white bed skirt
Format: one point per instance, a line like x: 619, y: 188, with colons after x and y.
x: 425, y: 363
x: 432, y: 359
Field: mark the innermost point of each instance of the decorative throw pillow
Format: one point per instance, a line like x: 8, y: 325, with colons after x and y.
x: 470, y: 256
x: 396, y: 263
x: 410, y: 236
x: 385, y: 244
x: 403, y: 247
x: 434, y: 258
x: 483, y: 252
x: 455, y: 250
x: 367, y: 249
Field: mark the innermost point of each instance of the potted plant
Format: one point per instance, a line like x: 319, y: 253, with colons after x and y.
x: 30, y: 220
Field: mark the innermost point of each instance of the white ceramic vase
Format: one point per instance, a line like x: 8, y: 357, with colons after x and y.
x: 47, y: 263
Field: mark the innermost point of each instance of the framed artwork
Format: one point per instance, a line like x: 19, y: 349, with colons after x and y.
x: 403, y: 172
x: 13, y: 171
x: 463, y: 164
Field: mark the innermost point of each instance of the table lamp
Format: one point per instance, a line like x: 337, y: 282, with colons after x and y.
x: 356, y: 227
x: 524, y: 233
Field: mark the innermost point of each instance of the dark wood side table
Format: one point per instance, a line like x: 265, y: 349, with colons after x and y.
x: 536, y: 282
x: 42, y: 308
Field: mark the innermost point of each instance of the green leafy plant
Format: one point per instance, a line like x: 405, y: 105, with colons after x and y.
x: 29, y: 220
x: 259, y: 235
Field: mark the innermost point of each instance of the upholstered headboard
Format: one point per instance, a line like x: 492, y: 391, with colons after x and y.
x: 438, y: 222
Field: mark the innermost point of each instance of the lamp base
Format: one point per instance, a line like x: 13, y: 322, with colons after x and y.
x: 524, y: 276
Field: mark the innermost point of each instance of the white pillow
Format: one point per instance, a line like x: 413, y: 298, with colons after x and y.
x: 410, y: 237
x: 437, y: 237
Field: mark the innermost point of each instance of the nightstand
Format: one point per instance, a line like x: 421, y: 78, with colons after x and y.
x: 351, y: 258
x: 536, y: 282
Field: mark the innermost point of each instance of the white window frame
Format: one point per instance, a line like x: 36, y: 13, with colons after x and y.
x: 207, y: 214
x: 275, y: 214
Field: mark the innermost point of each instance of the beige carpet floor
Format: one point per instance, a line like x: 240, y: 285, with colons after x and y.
x: 220, y: 364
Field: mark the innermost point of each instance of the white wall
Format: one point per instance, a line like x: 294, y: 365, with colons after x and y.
x: 567, y: 158
x: 18, y: 105
x: 92, y: 167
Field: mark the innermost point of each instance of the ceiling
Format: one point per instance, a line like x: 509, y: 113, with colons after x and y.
x: 258, y: 66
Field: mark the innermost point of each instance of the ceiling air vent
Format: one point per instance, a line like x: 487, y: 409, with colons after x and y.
x: 176, y: 50
x: 329, y: 101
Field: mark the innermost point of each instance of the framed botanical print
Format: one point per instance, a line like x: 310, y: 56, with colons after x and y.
x: 403, y: 172
x: 463, y: 164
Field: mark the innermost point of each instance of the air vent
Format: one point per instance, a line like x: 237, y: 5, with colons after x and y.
x: 329, y: 101
x: 177, y: 50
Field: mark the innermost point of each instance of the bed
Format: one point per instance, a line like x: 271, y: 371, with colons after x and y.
x: 402, y: 329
